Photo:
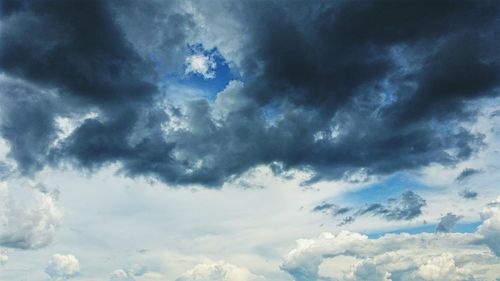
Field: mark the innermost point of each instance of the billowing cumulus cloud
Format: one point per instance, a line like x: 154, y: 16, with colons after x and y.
x: 424, y: 256
x: 218, y: 271
x: 28, y: 222
x: 62, y: 267
x: 490, y: 228
x: 332, y: 87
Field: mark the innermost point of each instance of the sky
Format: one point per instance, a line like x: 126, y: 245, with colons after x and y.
x: 249, y: 140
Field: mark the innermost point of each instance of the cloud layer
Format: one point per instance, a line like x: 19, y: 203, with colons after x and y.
x: 424, y: 256
x: 336, y: 88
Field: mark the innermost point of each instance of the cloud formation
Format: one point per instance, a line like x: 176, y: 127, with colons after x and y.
x: 424, y: 256
x: 62, y: 267
x: 490, y: 228
x: 332, y: 87
x: 468, y: 194
x: 202, y: 65
x: 447, y: 222
x: 467, y: 173
x: 25, y: 224
x: 406, y: 207
x: 218, y: 271
x: 121, y: 275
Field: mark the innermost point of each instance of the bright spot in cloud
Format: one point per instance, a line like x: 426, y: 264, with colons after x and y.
x: 202, y: 65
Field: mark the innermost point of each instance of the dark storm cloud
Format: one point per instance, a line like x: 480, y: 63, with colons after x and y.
x: 325, y: 59
x: 156, y: 30
x: 74, y: 49
x: 27, y: 124
x: 467, y: 173
x: 356, y: 88
x: 338, y: 60
x: 468, y: 194
x: 447, y: 222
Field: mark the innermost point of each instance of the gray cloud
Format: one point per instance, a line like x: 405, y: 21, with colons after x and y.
x: 467, y: 173
x: 332, y: 209
x: 468, y: 194
x: 398, y: 257
x: 350, y: 86
x: 447, y: 222
x: 406, y: 207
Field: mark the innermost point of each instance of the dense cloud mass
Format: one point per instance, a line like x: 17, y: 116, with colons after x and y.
x: 423, y: 256
x: 336, y: 88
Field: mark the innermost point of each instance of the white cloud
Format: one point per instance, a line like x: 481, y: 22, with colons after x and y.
x: 202, y: 65
x: 62, y: 267
x: 424, y: 256
x: 442, y: 268
x: 29, y: 220
x: 490, y: 228
x: 218, y: 271
x: 121, y: 275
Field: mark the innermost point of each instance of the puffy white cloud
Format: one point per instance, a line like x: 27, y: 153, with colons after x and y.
x: 121, y: 275
x: 443, y: 268
x: 29, y: 220
x: 62, y: 267
x: 423, y: 256
x: 201, y: 64
x: 218, y: 271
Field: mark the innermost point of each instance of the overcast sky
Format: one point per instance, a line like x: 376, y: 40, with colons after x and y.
x: 249, y: 140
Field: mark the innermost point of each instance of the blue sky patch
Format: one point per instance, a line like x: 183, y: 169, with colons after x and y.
x: 392, y: 186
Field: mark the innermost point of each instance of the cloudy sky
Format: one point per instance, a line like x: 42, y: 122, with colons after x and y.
x: 249, y: 140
